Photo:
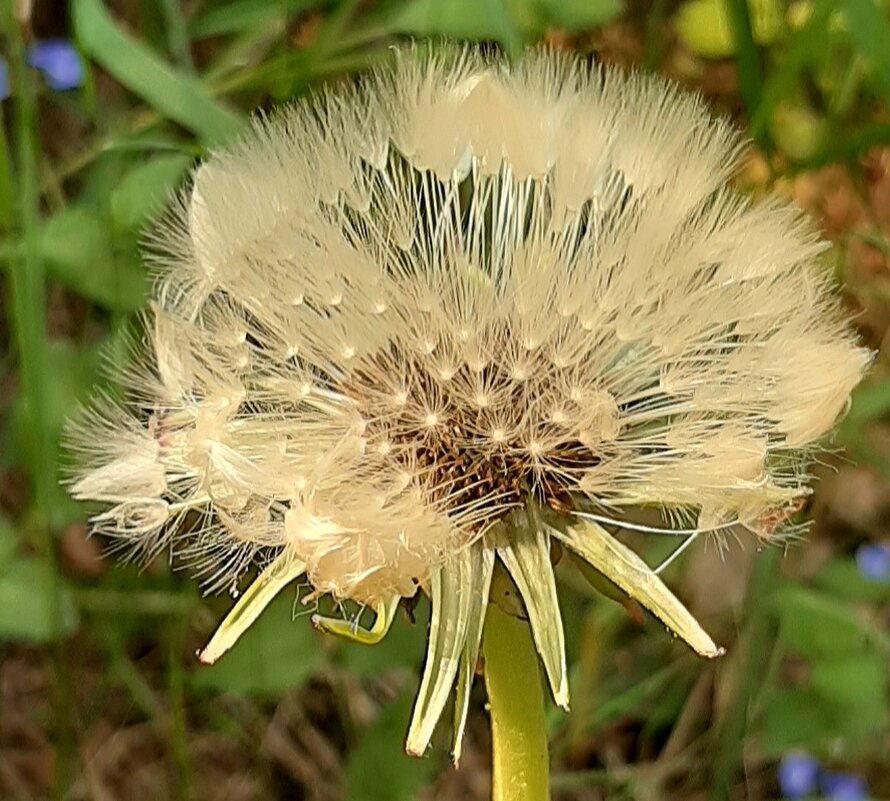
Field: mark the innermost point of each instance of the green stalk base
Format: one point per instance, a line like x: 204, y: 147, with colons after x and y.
x: 520, y: 763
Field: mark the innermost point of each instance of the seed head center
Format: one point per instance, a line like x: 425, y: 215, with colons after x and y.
x: 471, y: 464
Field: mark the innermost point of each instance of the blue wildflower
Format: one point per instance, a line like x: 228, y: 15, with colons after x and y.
x: 874, y: 562
x: 843, y: 787
x: 798, y: 775
x: 4, y: 80
x: 59, y: 62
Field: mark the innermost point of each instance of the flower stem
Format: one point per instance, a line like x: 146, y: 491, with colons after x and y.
x: 520, y: 767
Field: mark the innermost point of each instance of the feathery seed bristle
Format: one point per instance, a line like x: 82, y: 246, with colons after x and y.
x: 391, y: 315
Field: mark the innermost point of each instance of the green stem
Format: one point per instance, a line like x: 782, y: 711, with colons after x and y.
x: 178, y: 730
x: 27, y: 308
x: 520, y: 767
x: 728, y: 761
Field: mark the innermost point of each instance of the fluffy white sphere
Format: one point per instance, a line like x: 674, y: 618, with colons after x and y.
x: 394, y: 314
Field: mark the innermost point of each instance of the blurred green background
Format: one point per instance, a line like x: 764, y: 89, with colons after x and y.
x: 101, y: 696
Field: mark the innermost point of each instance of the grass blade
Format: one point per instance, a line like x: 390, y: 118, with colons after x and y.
x: 177, y: 96
x: 245, y: 15
x: 747, y: 55
x: 27, y: 307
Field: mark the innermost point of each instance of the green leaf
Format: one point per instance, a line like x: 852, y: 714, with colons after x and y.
x: 72, y: 239
x: 857, y: 686
x: 871, y: 401
x: 847, y: 146
x: 618, y: 704
x: 276, y: 653
x: 26, y: 602
x: 870, y: 29
x: 378, y: 769
x: 180, y: 97
x: 842, y: 579
x: 815, y: 624
x: 8, y: 542
x: 246, y: 14
x: 7, y: 191
x: 796, y: 718
x: 70, y: 376
x: 145, y: 189
x: 461, y: 19
x: 76, y: 246
x: 576, y: 16
x: 510, y: 22
x: 845, y: 702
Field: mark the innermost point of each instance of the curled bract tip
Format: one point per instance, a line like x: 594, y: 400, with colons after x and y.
x: 255, y: 599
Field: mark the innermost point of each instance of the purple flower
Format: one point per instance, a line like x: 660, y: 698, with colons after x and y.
x: 843, y: 787
x: 59, y: 62
x: 874, y: 562
x: 798, y: 775
x: 4, y: 80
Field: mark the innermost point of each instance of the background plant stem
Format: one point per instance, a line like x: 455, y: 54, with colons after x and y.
x: 520, y: 768
x: 728, y: 761
x: 27, y: 311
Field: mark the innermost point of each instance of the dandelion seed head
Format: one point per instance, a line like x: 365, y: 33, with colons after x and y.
x: 391, y: 315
